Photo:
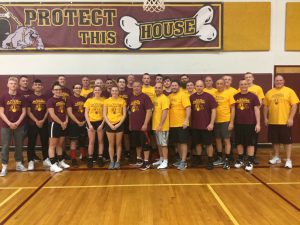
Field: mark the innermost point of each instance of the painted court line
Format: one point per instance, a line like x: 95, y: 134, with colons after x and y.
x: 12, y: 188
x: 10, y: 197
x: 226, y: 210
x: 283, y: 183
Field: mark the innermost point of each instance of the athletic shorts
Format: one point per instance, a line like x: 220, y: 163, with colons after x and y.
x: 204, y: 137
x: 55, y: 130
x: 108, y: 129
x: 95, y: 124
x: 75, y: 131
x: 126, y: 125
x: 221, y: 130
x: 245, y: 134
x: 162, y: 138
x: 141, y: 139
x: 280, y: 134
x: 179, y: 135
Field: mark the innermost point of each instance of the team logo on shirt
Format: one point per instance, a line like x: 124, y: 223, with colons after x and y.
x: 14, y: 105
x: 243, y: 103
x: 277, y: 98
x: 39, y: 104
x: 80, y: 106
x: 199, y: 104
x: 135, y: 105
x: 61, y: 106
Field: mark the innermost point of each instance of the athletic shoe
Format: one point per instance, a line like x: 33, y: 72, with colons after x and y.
x: 20, y: 167
x: 117, y: 165
x: 127, y: 155
x: 249, y: 167
x: 36, y: 158
x: 210, y: 166
x: 226, y: 165
x: 288, y: 164
x: 47, y: 163
x: 196, y: 161
x: 255, y: 161
x: 3, y: 171
x: 163, y: 165
x: 111, y: 165
x: 139, y: 163
x: 182, y: 166
x: 100, y: 162
x: 89, y: 162
x: 55, y: 168
x: 74, y: 163
x: 146, y: 165
x: 275, y: 160
x: 157, y: 163
x: 238, y: 164
x: 31, y: 165
x: 177, y: 163
x: 218, y: 162
x: 63, y: 165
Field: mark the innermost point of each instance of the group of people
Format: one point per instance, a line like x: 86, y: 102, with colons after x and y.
x: 129, y: 113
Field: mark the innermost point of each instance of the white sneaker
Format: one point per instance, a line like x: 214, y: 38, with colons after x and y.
x: 20, y: 167
x: 55, y: 168
x: 63, y: 165
x: 4, y: 170
x: 238, y: 164
x: 288, y: 164
x: 163, y: 165
x: 275, y: 160
x: 47, y: 163
x: 157, y: 163
x: 249, y: 167
x: 31, y: 165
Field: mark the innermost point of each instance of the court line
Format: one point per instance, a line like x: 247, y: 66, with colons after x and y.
x: 283, y: 183
x: 10, y: 196
x: 276, y: 192
x: 12, y: 188
x: 223, y: 206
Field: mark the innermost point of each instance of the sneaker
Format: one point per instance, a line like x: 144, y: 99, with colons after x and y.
x: 100, y: 162
x: 117, y: 165
x: 163, y: 165
x: 127, y: 155
x: 157, y: 163
x: 255, y: 161
x: 226, y: 165
x: 218, y: 162
x: 47, y: 162
x: 238, y: 164
x: 74, y: 163
x: 20, y: 167
x: 145, y: 166
x: 63, y: 165
x: 139, y: 163
x: 249, y: 167
x: 30, y: 165
x: 196, y: 161
x: 182, y: 166
x: 288, y: 164
x: 3, y: 171
x: 210, y: 166
x: 89, y: 162
x: 55, y: 168
x: 36, y: 158
x: 177, y: 163
x: 111, y: 165
x: 275, y: 160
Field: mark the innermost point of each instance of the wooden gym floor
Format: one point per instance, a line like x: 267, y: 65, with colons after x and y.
x: 268, y: 195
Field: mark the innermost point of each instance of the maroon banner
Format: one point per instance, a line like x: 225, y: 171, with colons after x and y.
x: 109, y: 27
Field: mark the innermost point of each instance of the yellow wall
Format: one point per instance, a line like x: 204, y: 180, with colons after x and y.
x: 292, y: 32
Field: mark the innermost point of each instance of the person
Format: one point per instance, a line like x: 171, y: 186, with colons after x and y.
x: 184, y: 79
x: 86, y: 87
x: 160, y: 125
x: 58, y: 122
x: 109, y: 83
x: 208, y: 81
x: 12, y: 113
x: 38, y: 124
x: 158, y: 78
x: 114, y: 112
x: 247, y: 124
x: 280, y: 106
x: 140, y: 109
x: 77, y: 125
x: 228, y: 82
x: 203, y: 115
x: 190, y: 87
x: 180, y: 110
x: 167, y: 86
x: 95, y: 122
x: 130, y: 80
x: 224, y: 123
x: 24, y: 86
x: 147, y: 88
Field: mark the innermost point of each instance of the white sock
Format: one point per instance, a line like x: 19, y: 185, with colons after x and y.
x: 165, y: 161
x: 19, y: 163
x: 4, y: 166
x: 161, y: 159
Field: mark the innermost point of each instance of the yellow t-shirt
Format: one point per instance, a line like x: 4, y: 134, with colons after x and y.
x: 114, y: 109
x: 232, y: 91
x: 210, y: 91
x: 85, y: 92
x: 257, y: 90
x: 95, y: 107
x: 150, y: 91
x: 178, y: 102
x: 279, y: 102
x: 160, y: 103
x: 225, y: 100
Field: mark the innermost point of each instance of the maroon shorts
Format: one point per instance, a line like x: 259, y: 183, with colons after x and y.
x: 279, y: 134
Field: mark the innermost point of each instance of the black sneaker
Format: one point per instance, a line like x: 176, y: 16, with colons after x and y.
x: 255, y: 161
x: 210, y: 166
x: 74, y: 163
x: 145, y: 166
x: 226, y: 165
x: 89, y: 162
x: 127, y: 156
x: 100, y: 162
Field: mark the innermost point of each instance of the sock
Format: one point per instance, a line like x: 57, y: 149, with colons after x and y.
x: 90, y: 156
x: 139, y: 158
x: 210, y: 159
x: 227, y: 156
x: 165, y: 161
x: 60, y: 158
x: 52, y: 160
x: 100, y: 156
x: 251, y: 159
x: 4, y: 166
x: 219, y: 154
x: 241, y: 157
x: 18, y: 163
x: 73, y: 153
x: 161, y: 158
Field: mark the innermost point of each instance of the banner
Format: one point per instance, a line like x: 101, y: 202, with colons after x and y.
x: 109, y: 27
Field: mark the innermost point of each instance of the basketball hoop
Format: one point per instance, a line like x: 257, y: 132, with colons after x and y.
x: 154, y: 6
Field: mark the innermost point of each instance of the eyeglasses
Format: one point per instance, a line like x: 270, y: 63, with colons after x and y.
x: 77, y: 88
x: 58, y: 89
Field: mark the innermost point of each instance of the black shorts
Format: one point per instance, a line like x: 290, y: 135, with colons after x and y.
x: 280, y: 134
x: 141, y: 139
x: 179, y: 135
x: 126, y: 125
x: 75, y: 131
x: 108, y: 129
x: 202, y: 137
x: 55, y: 130
x: 245, y: 134
x: 95, y: 124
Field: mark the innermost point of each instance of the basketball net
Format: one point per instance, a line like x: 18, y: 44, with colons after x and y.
x: 154, y: 6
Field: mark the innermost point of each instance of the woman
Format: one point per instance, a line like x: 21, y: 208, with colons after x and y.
x: 114, y: 113
x: 94, y: 119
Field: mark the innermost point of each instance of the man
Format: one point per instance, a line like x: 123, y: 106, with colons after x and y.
x: 203, y: 114
x: 23, y: 86
x: 247, y: 124
x: 140, y: 108
x: 190, y: 87
x: 130, y: 80
x: 86, y: 88
x: 180, y: 110
x: 209, y: 85
x: 158, y: 78
x: 183, y: 80
x: 109, y: 83
x: 65, y: 92
x: 160, y: 125
x: 12, y: 113
x: 37, y: 112
x: 280, y: 106
x: 224, y: 123
x: 167, y: 86
x: 147, y: 88
x: 228, y: 81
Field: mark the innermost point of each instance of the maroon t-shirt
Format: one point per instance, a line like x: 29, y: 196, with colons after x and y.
x: 76, y: 103
x: 59, y: 106
x: 65, y: 93
x: 126, y: 94
x: 244, y: 108
x: 26, y: 93
x: 138, y: 105
x: 37, y: 105
x: 167, y: 93
x: 12, y: 105
x: 201, y: 106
